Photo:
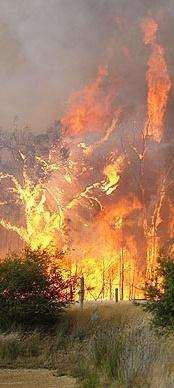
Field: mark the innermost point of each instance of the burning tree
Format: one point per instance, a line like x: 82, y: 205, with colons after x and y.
x: 24, y: 187
x: 99, y: 183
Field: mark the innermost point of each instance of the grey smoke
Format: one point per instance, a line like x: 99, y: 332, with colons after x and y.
x: 50, y: 48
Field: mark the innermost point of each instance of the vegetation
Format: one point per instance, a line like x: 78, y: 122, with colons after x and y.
x: 160, y: 293
x: 32, y: 290
x: 106, y: 345
x: 101, y: 345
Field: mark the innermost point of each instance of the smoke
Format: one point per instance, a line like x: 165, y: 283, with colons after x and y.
x: 49, y: 49
x: 100, y: 180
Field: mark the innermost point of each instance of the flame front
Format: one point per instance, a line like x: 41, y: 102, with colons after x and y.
x: 103, y: 195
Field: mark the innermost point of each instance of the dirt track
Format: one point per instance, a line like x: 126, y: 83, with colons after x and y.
x: 33, y: 378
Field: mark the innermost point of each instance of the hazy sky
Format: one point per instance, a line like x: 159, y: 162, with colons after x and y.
x: 48, y: 48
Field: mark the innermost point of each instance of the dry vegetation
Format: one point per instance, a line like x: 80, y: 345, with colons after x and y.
x: 102, y: 345
x: 30, y: 378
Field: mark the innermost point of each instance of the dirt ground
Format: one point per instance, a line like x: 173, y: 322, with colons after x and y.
x: 29, y: 378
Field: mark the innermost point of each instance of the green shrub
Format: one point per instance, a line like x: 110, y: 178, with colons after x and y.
x: 160, y: 293
x: 32, y: 290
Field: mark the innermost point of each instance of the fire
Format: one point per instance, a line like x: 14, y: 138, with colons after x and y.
x: 109, y: 130
x: 40, y: 225
x: 159, y: 83
x: 150, y: 229
x: 108, y: 202
x: 86, y: 195
x: 89, y: 110
x: 112, y: 172
x: 112, y: 255
x: 150, y: 28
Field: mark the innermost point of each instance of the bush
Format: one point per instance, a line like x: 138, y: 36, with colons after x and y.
x: 32, y: 290
x: 160, y: 293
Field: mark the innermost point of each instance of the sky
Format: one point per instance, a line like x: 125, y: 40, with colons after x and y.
x: 46, y: 53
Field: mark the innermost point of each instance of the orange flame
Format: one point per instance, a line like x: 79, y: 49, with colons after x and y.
x: 159, y: 84
x: 89, y: 196
x: 89, y: 109
x: 150, y: 28
x: 41, y: 225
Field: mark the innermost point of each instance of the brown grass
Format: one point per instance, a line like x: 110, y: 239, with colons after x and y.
x: 104, y: 345
x: 39, y: 378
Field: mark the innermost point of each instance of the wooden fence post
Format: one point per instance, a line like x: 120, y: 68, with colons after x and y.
x: 71, y: 293
x: 116, y: 295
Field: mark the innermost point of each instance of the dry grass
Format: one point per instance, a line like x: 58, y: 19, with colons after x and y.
x: 39, y: 378
x: 103, y: 345
x: 121, y: 350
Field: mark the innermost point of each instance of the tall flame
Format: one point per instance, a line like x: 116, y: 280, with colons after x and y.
x: 89, y: 109
x: 159, y: 83
x: 106, y: 202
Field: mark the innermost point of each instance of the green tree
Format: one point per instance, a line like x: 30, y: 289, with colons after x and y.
x: 160, y: 293
x: 32, y: 289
